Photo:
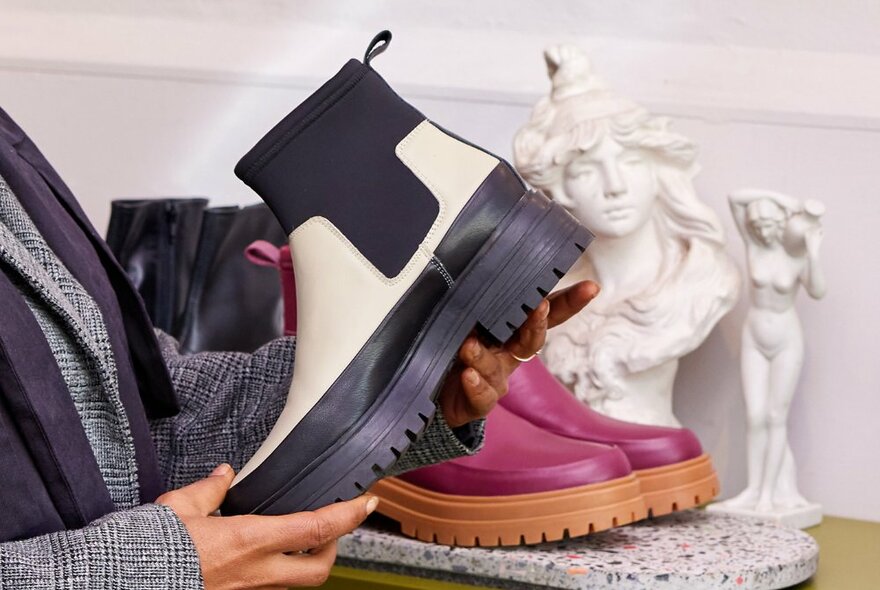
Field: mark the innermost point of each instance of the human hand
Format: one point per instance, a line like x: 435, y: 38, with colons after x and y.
x: 243, y: 552
x: 479, y: 379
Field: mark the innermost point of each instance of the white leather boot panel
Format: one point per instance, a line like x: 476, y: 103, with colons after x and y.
x: 451, y: 169
x: 334, y: 318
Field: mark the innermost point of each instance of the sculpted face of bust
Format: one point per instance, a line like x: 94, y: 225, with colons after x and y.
x: 612, y: 188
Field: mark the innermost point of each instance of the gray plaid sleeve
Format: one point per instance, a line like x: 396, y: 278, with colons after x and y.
x: 230, y: 401
x: 146, y: 547
x: 441, y: 443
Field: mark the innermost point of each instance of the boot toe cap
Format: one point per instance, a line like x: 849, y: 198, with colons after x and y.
x: 666, y: 447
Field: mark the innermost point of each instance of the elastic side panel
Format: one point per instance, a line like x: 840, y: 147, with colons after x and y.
x: 334, y: 157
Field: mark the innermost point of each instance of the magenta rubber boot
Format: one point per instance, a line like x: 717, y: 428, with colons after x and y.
x: 670, y: 464
x: 525, y: 486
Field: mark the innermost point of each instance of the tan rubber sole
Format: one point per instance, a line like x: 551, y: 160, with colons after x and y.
x: 523, y: 519
x: 678, y: 486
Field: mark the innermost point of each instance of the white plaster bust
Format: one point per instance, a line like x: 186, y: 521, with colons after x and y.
x: 658, y: 253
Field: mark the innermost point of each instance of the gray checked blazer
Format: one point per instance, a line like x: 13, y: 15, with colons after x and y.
x: 228, y: 403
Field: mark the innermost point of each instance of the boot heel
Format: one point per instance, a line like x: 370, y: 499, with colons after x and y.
x: 533, y: 248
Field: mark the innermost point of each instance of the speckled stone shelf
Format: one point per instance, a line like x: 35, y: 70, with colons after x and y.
x: 691, y: 550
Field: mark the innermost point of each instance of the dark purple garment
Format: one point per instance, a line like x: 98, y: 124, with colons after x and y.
x: 51, y: 478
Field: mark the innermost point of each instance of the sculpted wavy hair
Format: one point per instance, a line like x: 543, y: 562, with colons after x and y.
x: 697, y: 282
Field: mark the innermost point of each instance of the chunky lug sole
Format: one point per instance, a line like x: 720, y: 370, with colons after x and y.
x: 522, y: 519
x: 532, y: 248
x: 678, y: 486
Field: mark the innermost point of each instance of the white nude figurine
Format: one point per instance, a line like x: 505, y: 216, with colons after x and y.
x: 659, y: 251
x: 782, y: 238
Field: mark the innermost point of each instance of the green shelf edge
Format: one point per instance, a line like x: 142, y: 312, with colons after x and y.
x: 348, y: 578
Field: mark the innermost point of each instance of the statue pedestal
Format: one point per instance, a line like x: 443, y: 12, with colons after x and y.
x: 692, y: 550
x: 799, y: 518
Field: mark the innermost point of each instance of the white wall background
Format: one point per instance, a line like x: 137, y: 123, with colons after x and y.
x: 155, y: 99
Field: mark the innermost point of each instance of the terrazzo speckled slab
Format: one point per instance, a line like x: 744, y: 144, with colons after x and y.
x: 691, y: 550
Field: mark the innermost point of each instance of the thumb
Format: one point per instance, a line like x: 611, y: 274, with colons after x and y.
x: 302, y: 531
x: 204, y: 496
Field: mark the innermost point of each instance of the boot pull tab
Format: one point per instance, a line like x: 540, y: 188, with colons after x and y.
x: 374, y: 49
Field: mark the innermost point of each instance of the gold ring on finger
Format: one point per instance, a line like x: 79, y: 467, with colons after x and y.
x: 528, y: 358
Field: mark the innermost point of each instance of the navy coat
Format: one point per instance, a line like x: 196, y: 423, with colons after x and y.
x: 50, y: 478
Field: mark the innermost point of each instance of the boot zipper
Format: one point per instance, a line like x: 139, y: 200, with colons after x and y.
x: 167, y: 269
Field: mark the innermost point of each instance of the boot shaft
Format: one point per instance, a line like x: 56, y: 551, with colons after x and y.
x: 334, y: 157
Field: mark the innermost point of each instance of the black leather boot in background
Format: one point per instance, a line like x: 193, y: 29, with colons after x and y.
x: 233, y: 304
x: 188, y: 263
x: 155, y: 242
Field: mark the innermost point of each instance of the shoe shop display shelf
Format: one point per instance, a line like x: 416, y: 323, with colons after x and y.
x: 689, y: 550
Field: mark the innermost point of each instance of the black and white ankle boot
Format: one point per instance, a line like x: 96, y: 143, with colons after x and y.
x: 404, y: 237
